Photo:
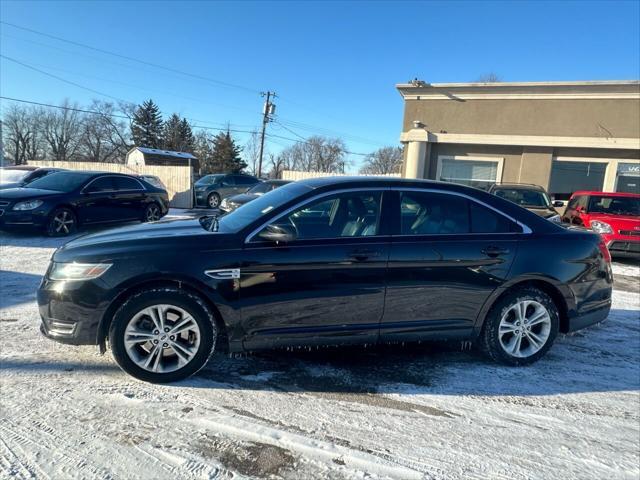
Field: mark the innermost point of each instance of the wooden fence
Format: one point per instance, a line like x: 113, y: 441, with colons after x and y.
x: 298, y: 175
x: 177, y: 179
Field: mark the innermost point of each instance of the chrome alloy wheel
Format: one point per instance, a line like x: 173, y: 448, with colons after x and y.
x: 63, y: 222
x: 524, y: 328
x: 162, y: 338
x: 153, y: 213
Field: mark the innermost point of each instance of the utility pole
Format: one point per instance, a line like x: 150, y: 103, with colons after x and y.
x: 267, y: 111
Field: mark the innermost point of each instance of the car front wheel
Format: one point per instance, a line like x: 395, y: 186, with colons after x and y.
x: 162, y: 335
x: 62, y: 222
x: 213, y: 200
x: 521, y: 327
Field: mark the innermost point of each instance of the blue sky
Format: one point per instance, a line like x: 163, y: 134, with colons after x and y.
x: 334, y: 65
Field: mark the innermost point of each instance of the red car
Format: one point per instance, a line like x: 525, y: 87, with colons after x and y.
x: 615, y: 216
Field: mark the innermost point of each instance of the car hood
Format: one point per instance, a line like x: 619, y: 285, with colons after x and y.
x: 543, y: 212
x: 243, y: 198
x: 4, y: 186
x: 26, y: 193
x: 170, y: 236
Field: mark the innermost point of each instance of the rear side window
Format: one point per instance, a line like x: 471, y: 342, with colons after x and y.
x: 242, y: 180
x: 485, y: 220
x: 126, y: 183
x: 101, y: 184
x: 442, y: 214
x: 228, y: 182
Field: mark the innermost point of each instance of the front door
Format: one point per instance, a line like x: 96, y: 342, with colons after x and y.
x: 95, y: 204
x: 325, y: 287
x: 448, y: 254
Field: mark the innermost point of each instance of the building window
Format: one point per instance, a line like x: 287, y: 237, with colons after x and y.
x: 568, y: 176
x: 479, y: 172
x: 628, y: 177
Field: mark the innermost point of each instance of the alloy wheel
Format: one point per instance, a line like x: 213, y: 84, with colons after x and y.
x: 214, y: 200
x: 153, y: 213
x: 162, y: 338
x: 524, y: 328
x: 63, y: 222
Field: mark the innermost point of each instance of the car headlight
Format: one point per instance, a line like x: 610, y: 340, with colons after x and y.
x: 555, y: 218
x: 28, y: 205
x: 601, y: 227
x: 224, y: 203
x: 77, y: 271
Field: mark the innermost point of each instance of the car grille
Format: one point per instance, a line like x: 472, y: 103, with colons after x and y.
x: 631, y: 247
x: 630, y: 233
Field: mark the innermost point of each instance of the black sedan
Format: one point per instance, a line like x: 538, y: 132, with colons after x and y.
x: 231, y: 203
x: 58, y: 203
x: 328, y: 262
x: 21, y: 175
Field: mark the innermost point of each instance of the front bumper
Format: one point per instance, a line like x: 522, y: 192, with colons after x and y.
x: 16, y: 219
x: 624, y: 248
x: 71, y: 311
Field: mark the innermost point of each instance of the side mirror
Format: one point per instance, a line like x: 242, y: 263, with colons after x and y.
x: 558, y: 203
x: 278, y: 233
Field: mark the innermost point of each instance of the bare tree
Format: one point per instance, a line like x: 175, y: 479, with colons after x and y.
x: 22, y: 134
x: 490, y: 77
x: 383, y: 161
x: 62, y: 131
x: 104, y: 137
x: 251, y: 152
x: 316, y: 154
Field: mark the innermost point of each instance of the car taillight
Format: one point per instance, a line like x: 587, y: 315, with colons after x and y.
x: 605, y: 251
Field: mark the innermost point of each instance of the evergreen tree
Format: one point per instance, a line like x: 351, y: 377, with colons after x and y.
x: 186, y: 134
x: 146, y: 127
x: 178, y: 135
x: 225, y: 157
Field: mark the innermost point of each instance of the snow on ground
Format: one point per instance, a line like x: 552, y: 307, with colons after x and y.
x: 387, y: 412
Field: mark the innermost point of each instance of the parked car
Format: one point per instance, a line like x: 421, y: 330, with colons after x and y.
x: 615, y: 216
x: 62, y: 201
x: 211, y: 189
x: 532, y: 197
x: 328, y: 261
x: 153, y: 180
x: 21, y: 175
x: 231, y: 203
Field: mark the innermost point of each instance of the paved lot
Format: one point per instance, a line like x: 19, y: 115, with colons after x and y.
x: 387, y: 412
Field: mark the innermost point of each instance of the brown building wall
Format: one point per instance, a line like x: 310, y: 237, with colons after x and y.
x: 555, y: 117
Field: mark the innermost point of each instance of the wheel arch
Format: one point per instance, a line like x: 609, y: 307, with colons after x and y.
x: 141, y: 284
x: 559, y: 293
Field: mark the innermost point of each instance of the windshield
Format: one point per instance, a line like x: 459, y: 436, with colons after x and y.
x: 13, y: 176
x: 250, y: 212
x: 61, y: 181
x: 209, y: 179
x: 614, y: 205
x: 524, y: 198
x: 259, y: 188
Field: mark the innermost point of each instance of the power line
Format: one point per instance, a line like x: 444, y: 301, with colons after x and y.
x: 133, y: 59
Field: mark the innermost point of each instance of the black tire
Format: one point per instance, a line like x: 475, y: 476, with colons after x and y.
x: 191, y: 303
x: 58, y: 223
x: 152, y: 213
x: 489, y: 340
x: 213, y: 200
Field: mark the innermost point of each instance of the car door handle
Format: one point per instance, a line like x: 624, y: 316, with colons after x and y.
x: 361, y: 255
x: 493, y: 251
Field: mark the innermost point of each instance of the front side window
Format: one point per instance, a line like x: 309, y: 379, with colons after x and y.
x: 102, y: 184
x: 351, y: 214
x: 428, y: 213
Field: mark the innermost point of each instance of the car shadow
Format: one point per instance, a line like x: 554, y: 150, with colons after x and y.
x: 17, y: 288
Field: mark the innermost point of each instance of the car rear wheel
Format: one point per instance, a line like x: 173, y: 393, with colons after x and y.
x: 162, y: 335
x: 62, y: 222
x: 152, y: 213
x: 213, y: 200
x: 521, y: 327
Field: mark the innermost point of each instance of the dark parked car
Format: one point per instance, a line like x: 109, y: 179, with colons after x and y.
x: 532, y: 197
x: 231, y: 203
x: 326, y: 262
x: 211, y: 189
x: 62, y: 201
x: 153, y: 180
x: 21, y: 175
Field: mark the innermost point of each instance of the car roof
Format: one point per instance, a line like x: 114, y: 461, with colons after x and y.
x: 608, y: 194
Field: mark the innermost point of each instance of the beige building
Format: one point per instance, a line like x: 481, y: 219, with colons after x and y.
x: 565, y: 136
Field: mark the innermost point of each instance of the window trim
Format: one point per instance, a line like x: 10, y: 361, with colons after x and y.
x: 526, y: 230
x: 142, y: 187
x: 498, y: 160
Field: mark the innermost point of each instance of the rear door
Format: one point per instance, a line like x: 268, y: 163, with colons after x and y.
x: 244, y: 183
x: 448, y: 253
x: 129, y: 198
x: 227, y: 186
